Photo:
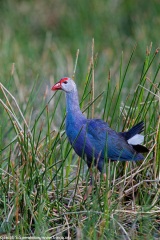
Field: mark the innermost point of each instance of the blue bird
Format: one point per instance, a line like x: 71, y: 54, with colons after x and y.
x: 92, y: 139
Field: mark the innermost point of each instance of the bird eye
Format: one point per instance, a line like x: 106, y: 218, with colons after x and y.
x: 65, y: 82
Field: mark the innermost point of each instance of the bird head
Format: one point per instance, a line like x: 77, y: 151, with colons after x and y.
x: 66, y: 84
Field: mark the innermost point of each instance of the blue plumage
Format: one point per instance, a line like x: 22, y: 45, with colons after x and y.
x: 93, y: 139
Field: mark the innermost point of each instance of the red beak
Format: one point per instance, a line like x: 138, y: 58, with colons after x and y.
x: 57, y: 86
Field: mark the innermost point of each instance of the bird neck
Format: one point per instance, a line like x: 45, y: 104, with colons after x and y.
x: 72, y: 104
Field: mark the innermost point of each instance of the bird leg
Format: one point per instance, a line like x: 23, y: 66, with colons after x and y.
x: 89, y: 190
x: 104, y: 176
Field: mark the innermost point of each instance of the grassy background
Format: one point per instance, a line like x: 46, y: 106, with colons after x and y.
x: 42, y: 181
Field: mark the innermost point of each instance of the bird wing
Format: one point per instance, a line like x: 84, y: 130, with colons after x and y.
x: 97, y: 128
x: 106, y: 140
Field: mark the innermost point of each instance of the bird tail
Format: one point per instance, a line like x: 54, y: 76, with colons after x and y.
x: 134, y: 138
x: 140, y: 148
x: 138, y: 128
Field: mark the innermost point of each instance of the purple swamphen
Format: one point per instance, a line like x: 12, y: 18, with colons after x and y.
x: 93, y: 139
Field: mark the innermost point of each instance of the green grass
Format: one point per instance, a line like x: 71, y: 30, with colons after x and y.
x: 42, y: 180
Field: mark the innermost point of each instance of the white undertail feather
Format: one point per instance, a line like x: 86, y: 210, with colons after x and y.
x: 137, y: 139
